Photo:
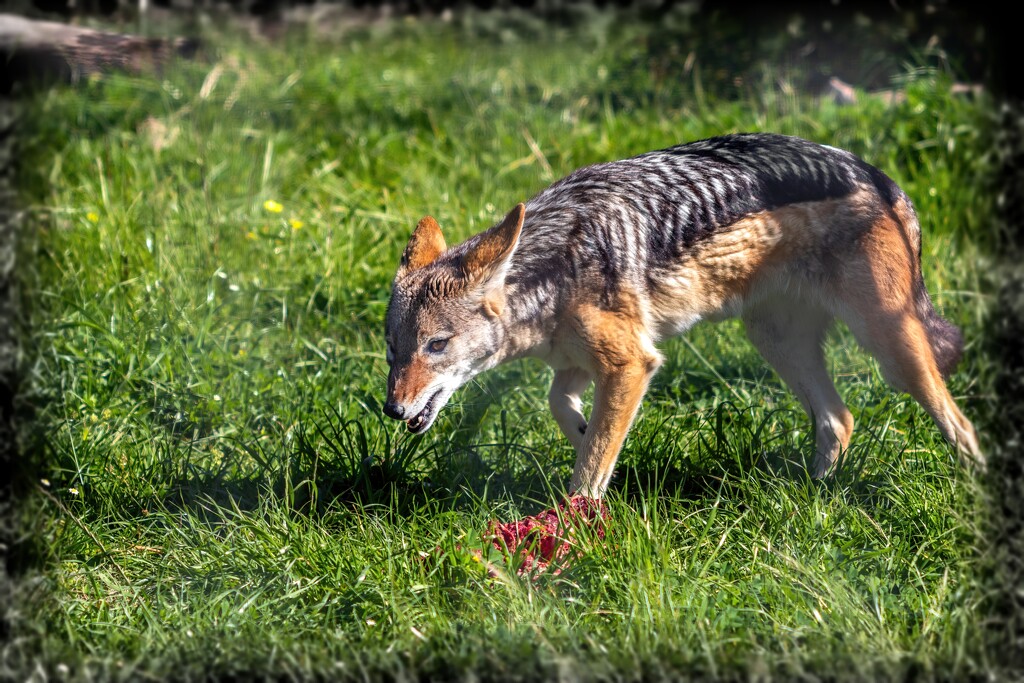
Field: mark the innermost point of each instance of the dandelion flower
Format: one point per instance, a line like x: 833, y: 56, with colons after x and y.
x: 295, y: 223
x: 93, y: 217
x: 272, y: 206
x: 250, y: 235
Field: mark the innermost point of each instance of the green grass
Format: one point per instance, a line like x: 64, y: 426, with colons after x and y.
x: 217, y: 492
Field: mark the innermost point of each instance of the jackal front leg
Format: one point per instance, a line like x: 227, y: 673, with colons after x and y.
x: 566, y: 404
x: 624, y: 362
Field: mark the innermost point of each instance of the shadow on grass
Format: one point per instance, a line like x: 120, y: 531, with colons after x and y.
x: 332, y: 462
x: 733, y: 450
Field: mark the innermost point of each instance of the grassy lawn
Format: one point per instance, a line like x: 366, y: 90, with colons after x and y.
x: 205, y: 270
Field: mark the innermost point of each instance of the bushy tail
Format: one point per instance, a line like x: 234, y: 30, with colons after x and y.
x: 945, y: 338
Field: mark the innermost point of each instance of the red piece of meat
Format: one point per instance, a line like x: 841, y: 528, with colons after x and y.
x: 547, y: 537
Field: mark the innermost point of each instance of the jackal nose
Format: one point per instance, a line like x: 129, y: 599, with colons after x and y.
x: 394, y: 410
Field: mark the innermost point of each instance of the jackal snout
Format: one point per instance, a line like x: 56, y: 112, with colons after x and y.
x: 394, y: 410
x: 406, y: 381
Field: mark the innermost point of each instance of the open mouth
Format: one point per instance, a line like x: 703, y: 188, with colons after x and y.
x: 422, y: 420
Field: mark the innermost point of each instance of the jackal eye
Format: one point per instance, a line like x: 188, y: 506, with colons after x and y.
x: 437, y: 346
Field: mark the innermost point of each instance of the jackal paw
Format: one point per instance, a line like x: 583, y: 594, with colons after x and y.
x: 822, y: 466
x: 975, y: 459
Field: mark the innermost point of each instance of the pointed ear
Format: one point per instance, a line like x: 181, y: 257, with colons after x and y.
x: 425, y: 245
x: 491, y: 253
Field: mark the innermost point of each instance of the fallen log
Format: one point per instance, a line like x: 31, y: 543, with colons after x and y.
x: 42, y: 52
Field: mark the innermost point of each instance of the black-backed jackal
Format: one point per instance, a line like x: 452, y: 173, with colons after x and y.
x: 595, y: 270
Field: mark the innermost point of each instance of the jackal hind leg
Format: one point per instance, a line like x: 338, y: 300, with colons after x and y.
x: 624, y: 360
x: 566, y: 403
x: 790, y: 335
x: 881, y: 293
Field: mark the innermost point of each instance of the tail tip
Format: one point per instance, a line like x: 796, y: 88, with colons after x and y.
x: 947, y: 344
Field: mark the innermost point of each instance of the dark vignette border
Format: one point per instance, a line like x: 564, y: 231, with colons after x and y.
x: 1004, y: 341
x: 8, y: 357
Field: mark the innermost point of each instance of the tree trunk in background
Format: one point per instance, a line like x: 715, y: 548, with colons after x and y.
x: 44, y: 51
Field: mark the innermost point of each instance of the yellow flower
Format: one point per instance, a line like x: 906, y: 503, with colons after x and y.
x: 295, y: 223
x: 272, y: 206
x: 93, y: 217
x: 250, y: 235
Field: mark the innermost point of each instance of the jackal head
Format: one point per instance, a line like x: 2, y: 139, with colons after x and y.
x: 443, y: 322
